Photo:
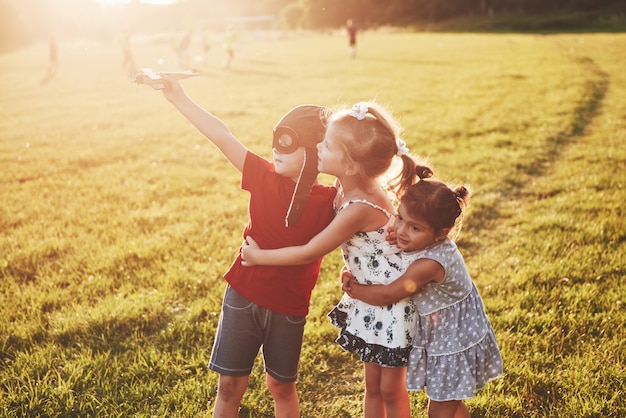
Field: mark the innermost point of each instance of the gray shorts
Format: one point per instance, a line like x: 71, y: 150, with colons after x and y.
x: 244, y: 327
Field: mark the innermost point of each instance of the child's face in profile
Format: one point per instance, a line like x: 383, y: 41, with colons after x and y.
x: 330, y: 154
x: 289, y: 164
x: 412, y: 233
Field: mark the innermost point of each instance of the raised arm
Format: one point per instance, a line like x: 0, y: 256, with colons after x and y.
x: 352, y: 219
x: 208, y: 124
x: 418, y: 275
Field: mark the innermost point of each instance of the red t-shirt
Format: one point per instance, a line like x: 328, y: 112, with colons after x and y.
x: 283, y: 289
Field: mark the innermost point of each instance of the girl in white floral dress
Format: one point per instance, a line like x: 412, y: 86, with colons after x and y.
x: 455, y: 352
x: 381, y: 335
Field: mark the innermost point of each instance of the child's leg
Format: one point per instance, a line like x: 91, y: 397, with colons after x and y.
x: 462, y: 411
x: 281, y: 352
x: 235, y: 348
x: 447, y: 409
x: 285, y: 396
x: 230, y: 390
x: 373, y: 404
x: 394, y: 393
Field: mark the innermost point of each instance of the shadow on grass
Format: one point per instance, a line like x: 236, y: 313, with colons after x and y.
x: 539, y: 162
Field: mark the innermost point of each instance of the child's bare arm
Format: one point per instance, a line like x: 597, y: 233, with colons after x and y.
x: 418, y: 274
x: 354, y: 218
x: 208, y: 124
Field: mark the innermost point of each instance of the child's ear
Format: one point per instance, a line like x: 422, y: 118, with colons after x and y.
x: 442, y: 234
x: 352, y: 168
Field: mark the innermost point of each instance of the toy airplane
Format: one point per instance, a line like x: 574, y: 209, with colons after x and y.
x: 155, y: 79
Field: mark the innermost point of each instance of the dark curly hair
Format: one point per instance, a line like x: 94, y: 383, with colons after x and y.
x: 434, y: 201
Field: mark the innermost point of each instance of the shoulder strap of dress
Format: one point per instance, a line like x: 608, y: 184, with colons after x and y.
x: 367, y: 202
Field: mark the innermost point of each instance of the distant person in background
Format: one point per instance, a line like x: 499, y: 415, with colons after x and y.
x: 182, y: 50
x: 351, y: 29
x: 230, y: 38
x: 53, y: 60
x: 128, y: 61
x: 206, y: 46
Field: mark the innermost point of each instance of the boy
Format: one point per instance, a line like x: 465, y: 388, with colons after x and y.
x: 266, y: 306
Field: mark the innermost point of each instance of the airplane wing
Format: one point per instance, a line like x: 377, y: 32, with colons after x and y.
x: 154, y: 79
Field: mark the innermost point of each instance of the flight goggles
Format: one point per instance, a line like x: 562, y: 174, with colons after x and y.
x: 286, y: 140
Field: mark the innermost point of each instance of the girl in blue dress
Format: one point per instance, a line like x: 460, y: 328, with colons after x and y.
x: 454, y: 352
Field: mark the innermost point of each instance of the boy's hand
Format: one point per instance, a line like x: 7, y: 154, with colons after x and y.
x: 156, y: 79
x: 172, y: 89
x: 247, y: 252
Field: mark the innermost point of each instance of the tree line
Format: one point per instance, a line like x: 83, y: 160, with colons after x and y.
x: 331, y: 13
x: 25, y: 21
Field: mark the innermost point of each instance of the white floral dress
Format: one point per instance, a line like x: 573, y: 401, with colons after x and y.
x: 455, y: 352
x: 377, y: 334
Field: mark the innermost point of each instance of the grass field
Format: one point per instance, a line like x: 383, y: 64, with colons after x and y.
x: 118, y: 219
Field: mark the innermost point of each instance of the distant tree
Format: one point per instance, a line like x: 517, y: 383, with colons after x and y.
x: 291, y: 16
x: 25, y: 21
x: 12, y: 30
x: 324, y: 13
x: 22, y: 22
x: 333, y: 13
x: 273, y: 7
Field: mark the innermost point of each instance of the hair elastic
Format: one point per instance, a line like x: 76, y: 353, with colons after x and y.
x: 359, y: 110
x: 402, y: 148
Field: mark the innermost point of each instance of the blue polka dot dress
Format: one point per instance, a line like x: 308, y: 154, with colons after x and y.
x: 377, y: 334
x: 455, y: 352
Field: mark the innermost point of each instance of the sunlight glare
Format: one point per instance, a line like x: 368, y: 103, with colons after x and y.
x: 140, y: 1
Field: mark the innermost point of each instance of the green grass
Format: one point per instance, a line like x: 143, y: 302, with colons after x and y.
x: 118, y: 219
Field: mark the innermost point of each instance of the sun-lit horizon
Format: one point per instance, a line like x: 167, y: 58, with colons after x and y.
x: 140, y: 1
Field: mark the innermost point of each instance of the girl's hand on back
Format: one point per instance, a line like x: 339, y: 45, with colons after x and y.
x: 391, y: 238
x: 346, y: 280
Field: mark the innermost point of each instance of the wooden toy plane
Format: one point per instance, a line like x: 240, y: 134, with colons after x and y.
x: 155, y: 78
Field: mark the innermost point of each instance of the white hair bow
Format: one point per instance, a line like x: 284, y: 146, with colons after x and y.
x: 402, y: 148
x: 359, y: 110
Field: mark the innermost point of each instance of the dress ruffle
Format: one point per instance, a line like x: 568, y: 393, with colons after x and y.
x: 338, y: 317
x: 455, y: 376
x: 368, y: 352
